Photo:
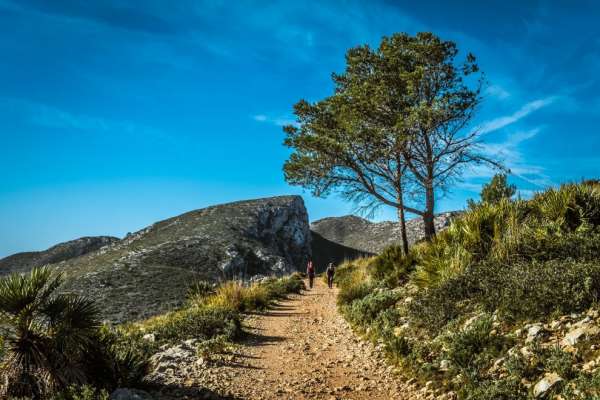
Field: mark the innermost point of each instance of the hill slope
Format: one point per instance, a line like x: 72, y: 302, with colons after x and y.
x: 149, y: 272
x: 24, y: 262
x: 372, y: 237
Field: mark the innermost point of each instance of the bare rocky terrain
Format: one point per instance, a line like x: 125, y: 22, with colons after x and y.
x: 363, y: 235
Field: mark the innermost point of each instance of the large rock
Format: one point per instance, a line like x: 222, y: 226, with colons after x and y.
x: 149, y: 272
x: 25, y: 262
x: 362, y: 235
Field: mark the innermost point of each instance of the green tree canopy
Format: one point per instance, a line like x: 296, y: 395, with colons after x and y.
x: 394, y: 132
x: 497, y: 189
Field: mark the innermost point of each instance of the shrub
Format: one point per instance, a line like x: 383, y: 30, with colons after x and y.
x: 207, y: 348
x: 200, y: 289
x: 349, y: 294
x: 256, y: 297
x: 519, y: 291
x: 84, y: 392
x: 499, y: 389
x: 125, y: 355
x: 391, y: 266
x: 279, y: 288
x: 365, y: 310
x: 230, y: 295
x: 201, y: 322
x: 471, y: 350
x: 47, y: 335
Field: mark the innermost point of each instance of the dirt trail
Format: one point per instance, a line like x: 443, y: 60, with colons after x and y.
x: 303, y: 349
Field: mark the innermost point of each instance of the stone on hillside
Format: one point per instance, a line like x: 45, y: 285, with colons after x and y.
x: 533, y: 332
x: 580, y: 331
x: 545, y: 384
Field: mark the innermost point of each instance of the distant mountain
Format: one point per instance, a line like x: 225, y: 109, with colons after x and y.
x: 24, y: 262
x: 150, y: 271
x: 362, y: 235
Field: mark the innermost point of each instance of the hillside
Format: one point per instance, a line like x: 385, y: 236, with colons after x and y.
x: 372, y: 237
x: 501, y: 305
x: 24, y: 262
x: 150, y: 271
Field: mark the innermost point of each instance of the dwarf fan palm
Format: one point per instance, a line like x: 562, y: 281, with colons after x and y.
x: 46, y: 334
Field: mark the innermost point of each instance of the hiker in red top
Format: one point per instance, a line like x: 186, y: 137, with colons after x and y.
x: 310, y: 271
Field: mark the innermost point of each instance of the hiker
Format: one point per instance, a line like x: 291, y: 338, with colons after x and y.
x: 330, y: 274
x: 310, y: 271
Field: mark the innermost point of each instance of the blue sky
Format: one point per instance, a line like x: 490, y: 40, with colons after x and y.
x: 116, y: 114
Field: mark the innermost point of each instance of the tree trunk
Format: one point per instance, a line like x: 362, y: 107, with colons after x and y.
x: 429, y: 215
x: 402, y: 221
x: 401, y: 217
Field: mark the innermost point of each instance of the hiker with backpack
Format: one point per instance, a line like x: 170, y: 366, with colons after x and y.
x: 310, y: 271
x: 330, y: 275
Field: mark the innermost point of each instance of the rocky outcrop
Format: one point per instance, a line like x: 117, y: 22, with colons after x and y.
x: 24, y: 262
x: 149, y: 272
x: 372, y: 237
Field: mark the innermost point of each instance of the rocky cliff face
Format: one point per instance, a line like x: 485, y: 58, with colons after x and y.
x: 370, y: 237
x: 149, y: 272
x: 24, y: 262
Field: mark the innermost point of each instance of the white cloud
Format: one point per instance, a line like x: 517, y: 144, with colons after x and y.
x: 497, y: 91
x: 279, y: 121
x: 47, y: 116
x: 509, y: 153
x: 524, y: 111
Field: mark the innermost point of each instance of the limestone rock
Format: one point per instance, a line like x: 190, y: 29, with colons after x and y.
x: 545, y: 384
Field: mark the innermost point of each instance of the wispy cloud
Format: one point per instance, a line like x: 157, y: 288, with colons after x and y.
x: 46, y: 116
x: 512, y: 157
x: 524, y: 111
x: 497, y: 91
x: 279, y: 121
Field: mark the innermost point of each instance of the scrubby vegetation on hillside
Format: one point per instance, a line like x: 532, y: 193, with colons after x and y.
x: 501, y: 305
x: 53, y: 346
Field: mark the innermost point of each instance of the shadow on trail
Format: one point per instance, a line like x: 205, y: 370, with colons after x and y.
x: 285, y: 314
x: 256, y: 339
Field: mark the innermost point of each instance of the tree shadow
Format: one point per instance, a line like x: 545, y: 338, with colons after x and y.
x: 257, y: 339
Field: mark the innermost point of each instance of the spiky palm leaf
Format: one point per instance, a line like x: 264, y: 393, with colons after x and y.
x: 46, y: 334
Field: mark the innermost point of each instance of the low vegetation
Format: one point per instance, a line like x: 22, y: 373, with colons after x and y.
x: 501, y: 305
x: 53, y: 346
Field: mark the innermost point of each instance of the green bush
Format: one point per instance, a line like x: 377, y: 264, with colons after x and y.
x: 126, y: 357
x: 84, y: 392
x: 498, y: 389
x: 365, y: 310
x: 392, y: 267
x: 279, y: 288
x: 217, y: 345
x: 200, y: 289
x: 471, y: 350
x: 349, y: 294
x: 195, y: 322
x: 519, y: 291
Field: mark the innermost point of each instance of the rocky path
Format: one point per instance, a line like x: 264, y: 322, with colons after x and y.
x: 303, y: 349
